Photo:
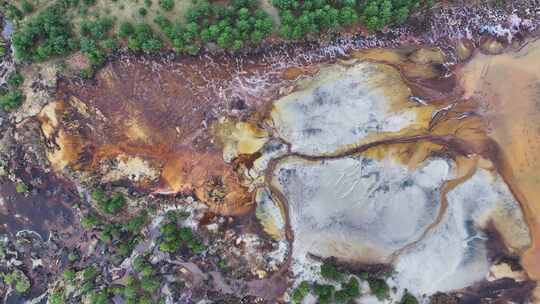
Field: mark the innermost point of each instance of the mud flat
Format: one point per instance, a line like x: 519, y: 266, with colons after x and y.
x: 507, y: 87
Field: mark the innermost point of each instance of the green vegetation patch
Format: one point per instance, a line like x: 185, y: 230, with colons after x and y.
x: 45, y: 35
x: 174, y: 237
x: 379, y: 288
x: 21, y: 187
x: 143, y: 285
x: 109, y: 205
x: 348, y: 291
x: 376, y: 14
x: 121, y: 237
x: 324, y: 293
x: 300, y: 292
x: 15, y: 79
x: 408, y: 298
x: 329, y: 271
x: 230, y: 27
x: 301, y: 18
x: 18, y: 280
x: 311, y: 17
x: 11, y: 101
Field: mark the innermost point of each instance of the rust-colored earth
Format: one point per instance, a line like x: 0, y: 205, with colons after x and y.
x: 163, y: 112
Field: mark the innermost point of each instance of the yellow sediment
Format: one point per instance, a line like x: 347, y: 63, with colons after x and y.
x: 238, y: 138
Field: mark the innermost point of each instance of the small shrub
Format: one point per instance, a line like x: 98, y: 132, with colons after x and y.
x: 21, y: 188
x: 348, y: 291
x: 166, y: 4
x: 57, y: 297
x: 13, y: 13
x: 69, y: 275
x: 300, y: 292
x: 379, y: 288
x: 408, y: 298
x: 89, y: 273
x: 143, y: 11
x: 27, y: 7
x: 87, y: 73
x: 15, y: 79
x: 324, y: 293
x: 18, y: 280
x: 11, y: 100
x: 329, y: 271
x: 90, y: 221
x: 125, y: 29
x: 73, y: 256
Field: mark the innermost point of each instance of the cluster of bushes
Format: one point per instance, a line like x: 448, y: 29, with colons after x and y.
x: 408, y: 298
x: 310, y: 17
x: 95, y: 40
x: 376, y: 14
x: 166, y: 4
x: 109, y: 205
x: 16, y: 13
x: 44, y: 35
x: 301, y: 18
x: 11, y: 100
x: 13, y: 97
x: 140, y: 37
x: 17, y: 279
x: 174, y: 237
x: 232, y: 27
x: 349, y: 287
x: 85, y: 281
x: 326, y: 293
x: 121, y: 237
x: 379, y: 288
x: 3, y: 49
x: 142, y: 285
x: 229, y: 27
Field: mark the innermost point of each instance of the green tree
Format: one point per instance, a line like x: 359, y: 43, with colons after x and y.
x: 15, y: 79
x: 325, y: 293
x: 18, y: 280
x: 142, y: 12
x: 193, y: 49
x: 300, y: 292
x: 69, y: 275
x: 150, y: 284
x: 379, y: 288
x: 100, y: 297
x: 126, y: 29
x: 329, y: 271
x: 57, y: 297
x: 13, y: 12
x: 11, y: 100
x: 408, y: 298
x: 166, y: 4
x: 44, y: 35
x: 27, y: 7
